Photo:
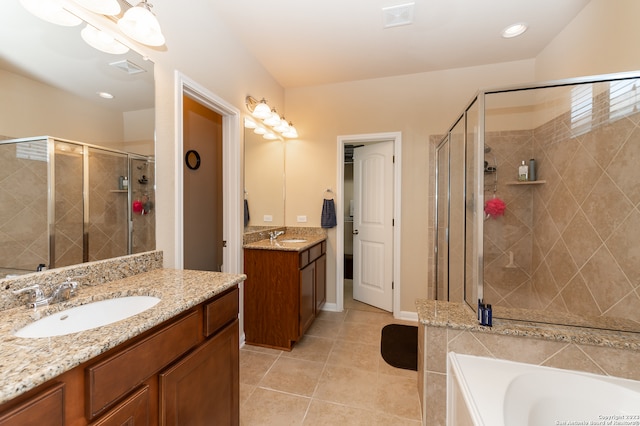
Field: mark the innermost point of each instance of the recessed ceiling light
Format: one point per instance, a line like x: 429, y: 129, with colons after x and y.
x: 105, y: 95
x: 514, y: 30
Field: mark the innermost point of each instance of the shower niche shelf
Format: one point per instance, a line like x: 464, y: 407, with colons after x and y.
x: 528, y: 182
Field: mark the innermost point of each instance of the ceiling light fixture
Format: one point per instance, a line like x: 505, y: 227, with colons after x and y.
x: 270, y: 124
x: 141, y: 24
x: 137, y: 23
x: 103, y: 7
x: 102, y: 41
x: 105, y: 95
x: 514, y: 30
x: 51, y: 11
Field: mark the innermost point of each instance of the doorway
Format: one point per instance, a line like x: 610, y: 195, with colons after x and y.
x: 346, y: 146
x: 202, y: 187
x: 231, y: 173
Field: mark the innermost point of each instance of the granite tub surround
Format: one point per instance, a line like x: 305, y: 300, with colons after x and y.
x: 27, y: 363
x: 453, y: 327
x: 311, y: 235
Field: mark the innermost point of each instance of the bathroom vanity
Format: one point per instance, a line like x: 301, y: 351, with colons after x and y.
x: 175, y: 363
x: 285, y: 289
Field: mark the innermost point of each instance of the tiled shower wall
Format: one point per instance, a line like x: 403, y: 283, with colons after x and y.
x: 23, y: 195
x: 23, y: 208
x: 574, y: 238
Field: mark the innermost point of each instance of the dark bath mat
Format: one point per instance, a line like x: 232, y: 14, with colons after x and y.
x: 399, y: 346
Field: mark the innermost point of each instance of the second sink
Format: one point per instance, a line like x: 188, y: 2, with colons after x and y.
x: 86, y: 317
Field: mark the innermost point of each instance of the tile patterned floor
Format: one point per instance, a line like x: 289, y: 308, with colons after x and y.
x: 333, y: 376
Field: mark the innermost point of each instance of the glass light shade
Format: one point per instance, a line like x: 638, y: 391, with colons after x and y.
x: 249, y: 124
x: 262, y: 110
x: 282, y: 126
x: 259, y: 131
x: 142, y: 25
x: 270, y: 136
x: 51, y: 11
x: 102, y: 41
x: 273, y: 119
x: 291, y: 132
x: 103, y: 7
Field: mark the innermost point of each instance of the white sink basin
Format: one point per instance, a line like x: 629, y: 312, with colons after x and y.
x: 86, y: 317
x: 293, y: 240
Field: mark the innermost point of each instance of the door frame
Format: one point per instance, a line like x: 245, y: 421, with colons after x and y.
x: 231, y: 187
x: 396, y: 138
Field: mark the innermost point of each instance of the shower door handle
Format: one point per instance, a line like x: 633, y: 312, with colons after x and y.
x: 355, y: 232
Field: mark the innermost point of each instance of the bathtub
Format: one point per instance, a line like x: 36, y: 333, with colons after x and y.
x: 493, y: 392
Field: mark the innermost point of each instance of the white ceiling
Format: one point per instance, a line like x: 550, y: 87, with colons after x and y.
x: 304, y: 42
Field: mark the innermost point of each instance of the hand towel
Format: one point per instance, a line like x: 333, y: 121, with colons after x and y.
x: 246, y: 212
x: 328, y: 218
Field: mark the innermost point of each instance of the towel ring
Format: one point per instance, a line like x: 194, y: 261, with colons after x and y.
x: 330, y: 192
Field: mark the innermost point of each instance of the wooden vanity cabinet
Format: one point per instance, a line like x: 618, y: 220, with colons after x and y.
x: 283, y: 293
x: 44, y: 408
x: 183, y: 371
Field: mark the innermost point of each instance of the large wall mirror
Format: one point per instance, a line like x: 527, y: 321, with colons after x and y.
x: 50, y: 86
x: 264, y: 171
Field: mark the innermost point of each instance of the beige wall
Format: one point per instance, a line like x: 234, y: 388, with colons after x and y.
x: 199, y: 46
x: 36, y: 109
x: 418, y: 105
x: 599, y: 40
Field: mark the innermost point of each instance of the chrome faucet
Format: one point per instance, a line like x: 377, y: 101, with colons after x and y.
x: 274, y: 234
x: 63, y: 292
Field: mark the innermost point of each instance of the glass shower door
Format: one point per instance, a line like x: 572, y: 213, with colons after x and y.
x: 107, y: 221
x: 67, y: 238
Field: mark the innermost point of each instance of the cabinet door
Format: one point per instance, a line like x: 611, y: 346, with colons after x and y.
x: 134, y: 411
x: 46, y: 408
x: 203, y: 388
x: 321, y: 282
x: 307, y: 296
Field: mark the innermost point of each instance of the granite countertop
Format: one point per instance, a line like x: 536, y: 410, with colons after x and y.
x: 461, y: 317
x: 27, y: 363
x: 279, y: 244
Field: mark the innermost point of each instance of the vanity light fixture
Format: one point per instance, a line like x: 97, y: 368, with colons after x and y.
x: 102, y: 41
x: 51, y: 11
x: 137, y: 23
x: 269, y: 118
x: 103, y: 7
x: 141, y: 24
x: 514, y: 30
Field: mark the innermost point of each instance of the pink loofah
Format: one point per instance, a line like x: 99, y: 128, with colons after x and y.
x: 494, y: 207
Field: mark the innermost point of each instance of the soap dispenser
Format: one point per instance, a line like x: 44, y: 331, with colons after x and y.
x: 523, y: 172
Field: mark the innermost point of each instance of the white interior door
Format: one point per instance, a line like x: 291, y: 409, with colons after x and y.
x: 373, y: 225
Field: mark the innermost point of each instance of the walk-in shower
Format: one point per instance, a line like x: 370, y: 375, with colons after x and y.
x: 65, y: 202
x: 565, y: 249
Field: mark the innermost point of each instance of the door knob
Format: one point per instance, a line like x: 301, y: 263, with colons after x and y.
x: 355, y: 232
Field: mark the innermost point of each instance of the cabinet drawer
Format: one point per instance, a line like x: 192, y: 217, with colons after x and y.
x: 46, y: 408
x: 315, y: 252
x: 115, y: 376
x: 133, y: 411
x: 220, y: 312
x: 304, y: 259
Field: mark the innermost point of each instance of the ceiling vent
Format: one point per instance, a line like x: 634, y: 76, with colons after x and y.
x: 127, y: 66
x: 395, y: 16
